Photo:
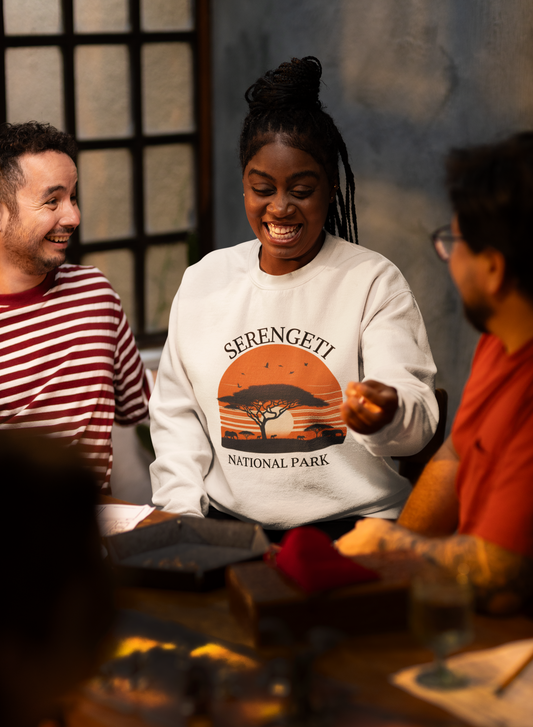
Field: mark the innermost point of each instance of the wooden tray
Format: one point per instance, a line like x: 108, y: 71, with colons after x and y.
x: 185, y: 553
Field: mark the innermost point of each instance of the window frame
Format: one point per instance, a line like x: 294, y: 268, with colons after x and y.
x: 199, y: 39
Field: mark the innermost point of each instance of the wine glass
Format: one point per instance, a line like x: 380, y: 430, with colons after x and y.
x: 441, y: 619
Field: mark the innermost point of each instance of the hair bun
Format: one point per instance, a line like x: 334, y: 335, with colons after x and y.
x: 294, y: 84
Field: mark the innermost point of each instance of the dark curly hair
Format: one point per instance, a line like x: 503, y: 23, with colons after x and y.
x: 31, y: 137
x: 58, y: 563
x: 286, y: 101
x: 491, y: 191
x: 60, y: 497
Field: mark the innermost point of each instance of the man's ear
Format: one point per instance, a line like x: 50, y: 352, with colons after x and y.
x: 4, y: 216
x: 497, y: 281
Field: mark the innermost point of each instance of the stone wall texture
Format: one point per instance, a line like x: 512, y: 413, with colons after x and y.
x: 405, y: 80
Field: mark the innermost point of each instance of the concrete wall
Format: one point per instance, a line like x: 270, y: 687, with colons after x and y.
x: 404, y: 81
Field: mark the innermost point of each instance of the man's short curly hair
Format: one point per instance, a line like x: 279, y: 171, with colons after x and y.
x: 31, y: 137
x: 491, y: 190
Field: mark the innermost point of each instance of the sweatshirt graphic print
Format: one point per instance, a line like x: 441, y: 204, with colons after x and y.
x: 279, y: 398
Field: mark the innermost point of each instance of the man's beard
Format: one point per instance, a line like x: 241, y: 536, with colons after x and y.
x: 478, y: 314
x: 24, y: 250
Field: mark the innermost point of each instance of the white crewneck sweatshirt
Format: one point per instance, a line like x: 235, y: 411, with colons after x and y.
x: 245, y: 411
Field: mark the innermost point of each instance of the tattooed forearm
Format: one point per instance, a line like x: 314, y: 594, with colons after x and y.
x: 502, y: 579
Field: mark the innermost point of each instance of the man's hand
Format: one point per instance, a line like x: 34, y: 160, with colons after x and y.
x: 369, y: 406
x: 366, y: 537
x: 502, y: 579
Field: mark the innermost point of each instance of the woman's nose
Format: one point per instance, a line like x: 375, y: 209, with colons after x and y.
x: 280, y: 205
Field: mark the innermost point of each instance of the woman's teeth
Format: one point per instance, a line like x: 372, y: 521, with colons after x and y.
x: 278, y: 232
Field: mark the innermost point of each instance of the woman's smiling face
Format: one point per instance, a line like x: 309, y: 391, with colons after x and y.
x: 286, y: 196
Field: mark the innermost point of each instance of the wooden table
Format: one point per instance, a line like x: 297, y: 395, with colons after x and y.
x: 363, y: 661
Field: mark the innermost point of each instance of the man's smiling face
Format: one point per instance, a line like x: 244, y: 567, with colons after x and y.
x: 286, y: 196
x: 35, y: 240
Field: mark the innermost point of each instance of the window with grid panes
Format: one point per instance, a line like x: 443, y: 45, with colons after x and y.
x: 130, y: 80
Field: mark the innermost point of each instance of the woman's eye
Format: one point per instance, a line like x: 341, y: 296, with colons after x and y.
x: 262, y: 190
x: 301, y: 193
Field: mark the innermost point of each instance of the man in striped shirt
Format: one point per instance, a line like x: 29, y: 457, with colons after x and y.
x: 69, y: 366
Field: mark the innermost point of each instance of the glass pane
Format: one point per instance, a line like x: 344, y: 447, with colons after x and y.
x: 167, y: 88
x: 105, y: 194
x: 34, y: 85
x: 101, y: 16
x: 117, y: 266
x: 165, y: 265
x: 169, y: 188
x: 102, y: 91
x: 32, y: 17
x: 166, y: 15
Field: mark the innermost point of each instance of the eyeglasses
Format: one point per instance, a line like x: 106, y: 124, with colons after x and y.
x: 443, y: 240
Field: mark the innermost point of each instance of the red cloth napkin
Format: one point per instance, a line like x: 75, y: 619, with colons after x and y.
x: 308, y: 557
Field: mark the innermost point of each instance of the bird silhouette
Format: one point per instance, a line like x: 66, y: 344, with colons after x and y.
x: 266, y: 366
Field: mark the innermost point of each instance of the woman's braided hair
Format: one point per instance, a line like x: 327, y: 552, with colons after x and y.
x: 286, y: 101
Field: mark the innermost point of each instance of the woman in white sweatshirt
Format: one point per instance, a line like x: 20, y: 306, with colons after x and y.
x: 248, y: 419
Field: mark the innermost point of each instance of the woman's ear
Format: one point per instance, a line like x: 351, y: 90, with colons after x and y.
x: 334, y: 188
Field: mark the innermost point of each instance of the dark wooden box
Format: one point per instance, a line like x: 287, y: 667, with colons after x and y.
x: 269, y: 605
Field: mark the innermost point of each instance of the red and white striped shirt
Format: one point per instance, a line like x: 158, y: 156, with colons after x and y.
x: 69, y: 365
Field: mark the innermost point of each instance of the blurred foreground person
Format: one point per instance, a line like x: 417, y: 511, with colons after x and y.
x: 473, y: 505
x: 57, y: 601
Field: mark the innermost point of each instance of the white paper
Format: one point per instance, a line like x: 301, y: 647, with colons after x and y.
x: 119, y: 518
x: 477, y: 704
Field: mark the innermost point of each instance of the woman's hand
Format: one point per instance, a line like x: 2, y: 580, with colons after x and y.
x: 369, y: 406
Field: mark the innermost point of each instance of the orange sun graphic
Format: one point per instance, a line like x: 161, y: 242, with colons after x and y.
x: 279, y: 392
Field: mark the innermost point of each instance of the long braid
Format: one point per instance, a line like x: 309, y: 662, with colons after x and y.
x: 286, y: 101
x: 350, y: 190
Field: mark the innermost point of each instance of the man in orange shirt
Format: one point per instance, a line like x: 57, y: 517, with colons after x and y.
x: 473, y: 504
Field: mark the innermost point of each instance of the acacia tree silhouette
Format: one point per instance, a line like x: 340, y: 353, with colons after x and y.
x: 317, y: 428
x: 267, y: 402
x: 246, y: 434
